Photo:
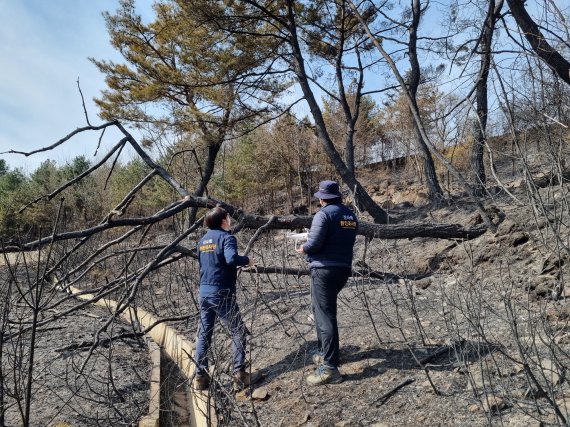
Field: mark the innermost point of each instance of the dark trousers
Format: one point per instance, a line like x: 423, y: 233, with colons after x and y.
x: 326, y: 285
x: 223, y: 305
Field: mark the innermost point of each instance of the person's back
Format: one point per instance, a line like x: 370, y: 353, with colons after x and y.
x: 332, y: 237
x: 218, y: 258
x: 329, y: 250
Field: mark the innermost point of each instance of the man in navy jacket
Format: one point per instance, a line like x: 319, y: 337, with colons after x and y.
x: 329, y: 251
x: 219, y: 259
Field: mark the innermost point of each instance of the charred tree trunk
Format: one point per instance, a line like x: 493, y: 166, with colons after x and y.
x: 349, y: 119
x: 351, y: 114
x: 214, y: 147
x: 245, y: 220
x: 381, y: 231
x: 415, y: 113
x: 434, y: 189
x: 539, y: 45
x: 480, y: 125
x: 362, y: 198
x: 206, y: 175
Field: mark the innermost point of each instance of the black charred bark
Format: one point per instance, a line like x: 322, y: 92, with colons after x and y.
x: 480, y: 125
x: 537, y: 41
x: 434, y: 189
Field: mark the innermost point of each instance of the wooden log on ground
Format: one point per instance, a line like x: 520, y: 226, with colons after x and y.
x: 381, y: 231
x: 290, y: 222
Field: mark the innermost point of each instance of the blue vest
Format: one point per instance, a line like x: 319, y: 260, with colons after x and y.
x: 332, y: 236
x: 219, y: 259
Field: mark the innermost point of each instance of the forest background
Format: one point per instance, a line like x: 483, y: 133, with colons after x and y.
x: 243, y: 97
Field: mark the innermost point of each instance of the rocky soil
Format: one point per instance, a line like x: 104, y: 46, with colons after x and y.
x: 444, y: 333
x: 481, y: 338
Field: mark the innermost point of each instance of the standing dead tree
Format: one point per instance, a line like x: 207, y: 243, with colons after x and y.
x: 434, y: 189
x: 480, y: 124
x: 419, y: 122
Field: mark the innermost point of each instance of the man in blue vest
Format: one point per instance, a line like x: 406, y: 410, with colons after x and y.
x: 329, y: 251
x: 219, y: 259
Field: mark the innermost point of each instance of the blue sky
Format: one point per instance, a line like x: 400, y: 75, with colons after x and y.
x: 44, y: 49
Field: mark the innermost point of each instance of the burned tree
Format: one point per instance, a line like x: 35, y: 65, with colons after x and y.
x: 183, y: 78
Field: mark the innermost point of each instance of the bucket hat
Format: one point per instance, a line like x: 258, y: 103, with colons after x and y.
x: 328, y: 190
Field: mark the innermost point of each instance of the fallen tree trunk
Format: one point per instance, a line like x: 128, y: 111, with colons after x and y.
x: 382, y: 231
x: 247, y: 221
x: 356, y: 272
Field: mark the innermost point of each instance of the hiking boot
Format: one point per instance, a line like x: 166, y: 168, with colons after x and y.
x: 325, y: 375
x: 317, y: 358
x: 243, y: 379
x: 201, y: 382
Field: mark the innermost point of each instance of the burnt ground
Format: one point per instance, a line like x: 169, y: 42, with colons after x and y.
x: 111, y: 389
x: 485, y: 311
x: 482, y: 339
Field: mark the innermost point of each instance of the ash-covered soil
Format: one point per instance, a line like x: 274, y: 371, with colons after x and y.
x: 481, y: 338
x: 453, y: 333
x: 110, y: 389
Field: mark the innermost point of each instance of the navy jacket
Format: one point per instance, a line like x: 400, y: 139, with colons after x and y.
x: 331, y: 237
x: 219, y: 259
